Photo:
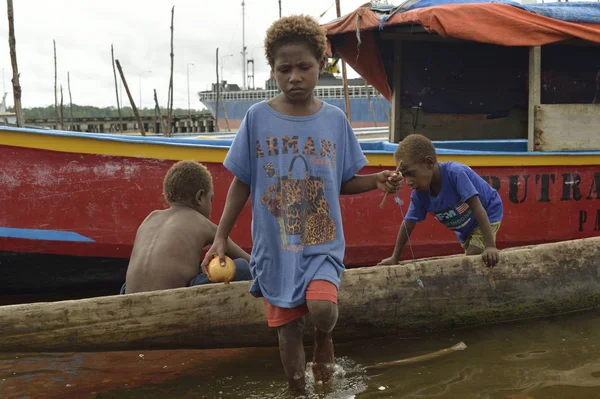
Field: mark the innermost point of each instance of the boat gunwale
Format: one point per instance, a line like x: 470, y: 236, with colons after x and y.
x: 221, y: 144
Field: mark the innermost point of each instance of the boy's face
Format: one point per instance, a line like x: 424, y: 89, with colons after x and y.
x: 418, y: 175
x: 204, y: 201
x: 296, y: 70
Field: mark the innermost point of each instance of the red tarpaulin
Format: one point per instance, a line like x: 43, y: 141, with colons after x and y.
x: 491, y: 23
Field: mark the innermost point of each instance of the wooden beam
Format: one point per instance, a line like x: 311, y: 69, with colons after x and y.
x: 396, y: 120
x: 575, y: 43
x: 419, y: 37
x: 535, y: 96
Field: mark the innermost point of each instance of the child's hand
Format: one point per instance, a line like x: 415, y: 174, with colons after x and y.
x: 388, y: 180
x: 218, y: 248
x: 490, y: 256
x: 389, y: 261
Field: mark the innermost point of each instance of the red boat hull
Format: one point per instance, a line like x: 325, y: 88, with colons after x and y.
x: 101, y: 200
x: 105, y: 198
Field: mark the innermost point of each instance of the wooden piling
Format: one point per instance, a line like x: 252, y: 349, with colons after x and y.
x: 55, y: 88
x: 170, y: 99
x: 13, y: 59
x: 112, y: 54
x: 70, y: 100
x: 135, y: 110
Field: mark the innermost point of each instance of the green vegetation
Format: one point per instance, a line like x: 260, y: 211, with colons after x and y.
x: 88, y: 111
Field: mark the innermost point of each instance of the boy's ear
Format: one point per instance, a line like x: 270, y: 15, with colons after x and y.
x: 430, y: 161
x: 199, y: 195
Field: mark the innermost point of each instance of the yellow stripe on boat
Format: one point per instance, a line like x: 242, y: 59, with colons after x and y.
x: 158, y: 150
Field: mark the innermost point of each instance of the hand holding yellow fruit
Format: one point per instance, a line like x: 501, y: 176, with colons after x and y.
x: 218, y: 273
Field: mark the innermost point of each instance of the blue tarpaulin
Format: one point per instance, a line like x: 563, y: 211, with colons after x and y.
x: 586, y: 12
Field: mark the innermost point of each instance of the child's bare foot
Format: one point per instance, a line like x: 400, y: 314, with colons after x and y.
x: 297, y: 385
x: 323, y: 365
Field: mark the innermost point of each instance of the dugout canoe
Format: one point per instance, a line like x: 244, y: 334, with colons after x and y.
x: 456, y: 291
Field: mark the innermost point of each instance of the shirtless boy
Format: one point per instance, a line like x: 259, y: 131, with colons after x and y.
x: 168, y: 244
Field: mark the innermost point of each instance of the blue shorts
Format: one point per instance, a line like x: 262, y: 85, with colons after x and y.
x: 242, y: 273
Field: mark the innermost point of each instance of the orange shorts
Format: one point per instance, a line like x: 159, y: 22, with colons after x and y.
x: 317, y: 290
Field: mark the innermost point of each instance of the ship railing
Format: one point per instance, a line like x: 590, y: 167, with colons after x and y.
x: 320, y: 91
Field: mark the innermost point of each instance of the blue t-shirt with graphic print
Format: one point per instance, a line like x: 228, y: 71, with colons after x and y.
x: 295, y: 167
x: 459, y: 183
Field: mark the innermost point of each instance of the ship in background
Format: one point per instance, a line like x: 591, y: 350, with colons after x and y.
x: 368, y: 108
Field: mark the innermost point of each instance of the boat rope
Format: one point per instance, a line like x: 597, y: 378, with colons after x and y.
x: 399, y: 201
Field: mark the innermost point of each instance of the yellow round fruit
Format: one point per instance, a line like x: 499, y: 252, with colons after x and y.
x: 218, y: 273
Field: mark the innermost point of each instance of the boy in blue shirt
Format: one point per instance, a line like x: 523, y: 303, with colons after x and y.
x: 457, y: 196
x: 293, y: 156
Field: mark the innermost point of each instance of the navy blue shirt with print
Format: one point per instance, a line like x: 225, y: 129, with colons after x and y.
x: 459, y: 183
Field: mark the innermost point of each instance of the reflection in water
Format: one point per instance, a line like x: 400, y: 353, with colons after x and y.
x: 549, y: 359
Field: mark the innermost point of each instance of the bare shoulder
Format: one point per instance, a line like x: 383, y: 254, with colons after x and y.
x: 207, y: 228
x: 150, y: 222
x: 192, y: 220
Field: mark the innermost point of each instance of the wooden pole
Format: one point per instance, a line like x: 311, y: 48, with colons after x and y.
x: 535, y: 61
x: 55, y: 89
x: 344, y: 76
x: 70, y: 101
x: 162, y: 122
x: 422, y: 358
x: 135, y: 110
x: 395, y: 134
x: 170, y: 95
x: 112, y: 54
x: 218, y: 95
x: 62, y: 120
x: 156, y: 120
x: 370, y: 103
x: 13, y: 59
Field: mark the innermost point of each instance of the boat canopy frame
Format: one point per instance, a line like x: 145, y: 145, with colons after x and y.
x: 380, y: 45
x: 550, y: 127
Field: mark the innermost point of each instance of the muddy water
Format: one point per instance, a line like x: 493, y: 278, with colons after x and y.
x: 550, y: 358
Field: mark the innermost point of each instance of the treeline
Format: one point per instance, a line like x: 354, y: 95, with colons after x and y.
x: 88, y: 111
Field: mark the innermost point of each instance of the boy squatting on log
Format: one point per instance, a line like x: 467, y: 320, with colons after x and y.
x: 293, y: 156
x: 168, y: 244
x: 457, y: 196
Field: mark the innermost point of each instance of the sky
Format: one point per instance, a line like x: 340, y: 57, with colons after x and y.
x: 139, y: 30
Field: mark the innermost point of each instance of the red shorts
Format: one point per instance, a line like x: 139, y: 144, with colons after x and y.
x: 317, y: 290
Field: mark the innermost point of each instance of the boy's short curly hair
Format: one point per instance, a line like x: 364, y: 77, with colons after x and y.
x: 184, y: 179
x: 295, y: 29
x: 414, y: 147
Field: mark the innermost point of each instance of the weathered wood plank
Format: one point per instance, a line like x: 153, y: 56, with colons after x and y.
x: 535, y: 91
x: 458, y: 291
x: 567, y: 127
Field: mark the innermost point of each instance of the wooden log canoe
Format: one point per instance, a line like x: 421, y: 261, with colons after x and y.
x: 432, y: 294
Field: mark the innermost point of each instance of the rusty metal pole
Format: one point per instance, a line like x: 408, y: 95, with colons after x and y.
x: 344, y: 77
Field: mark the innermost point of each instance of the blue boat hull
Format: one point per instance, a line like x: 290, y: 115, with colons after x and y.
x: 361, y: 113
